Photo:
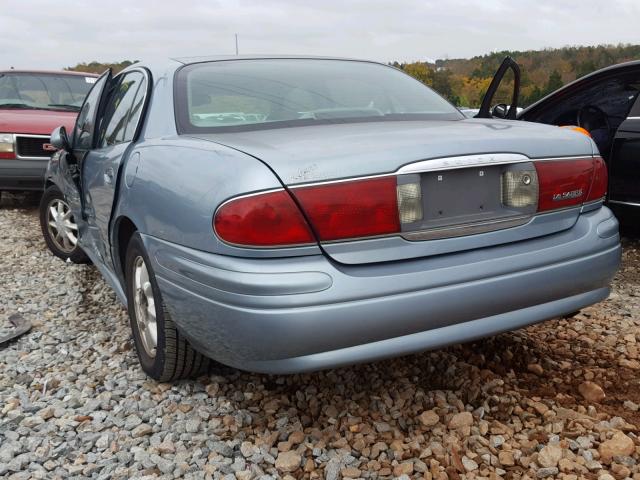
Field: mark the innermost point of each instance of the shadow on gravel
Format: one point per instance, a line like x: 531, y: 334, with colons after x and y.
x: 20, y: 200
x: 494, y: 374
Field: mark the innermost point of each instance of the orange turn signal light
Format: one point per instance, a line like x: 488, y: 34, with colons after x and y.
x: 577, y: 129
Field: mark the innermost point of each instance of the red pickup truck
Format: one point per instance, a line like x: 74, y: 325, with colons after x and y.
x: 32, y: 104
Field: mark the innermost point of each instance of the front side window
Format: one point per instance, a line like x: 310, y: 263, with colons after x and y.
x: 267, y: 93
x: 44, y: 91
x: 122, y: 110
x: 85, y: 128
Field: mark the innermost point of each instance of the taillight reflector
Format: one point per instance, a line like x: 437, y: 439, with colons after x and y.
x: 563, y: 183
x: 358, y: 208
x: 262, y: 220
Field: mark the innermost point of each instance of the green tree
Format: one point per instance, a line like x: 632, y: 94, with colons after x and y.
x: 99, y: 67
x: 554, y: 83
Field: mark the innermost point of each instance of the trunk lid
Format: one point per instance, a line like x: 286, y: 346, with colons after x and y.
x: 330, y: 152
x: 462, y: 203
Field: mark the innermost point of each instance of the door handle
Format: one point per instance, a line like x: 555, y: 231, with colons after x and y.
x: 108, y: 176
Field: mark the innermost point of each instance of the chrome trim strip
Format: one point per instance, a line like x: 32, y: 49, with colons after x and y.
x: 252, y: 194
x: 620, y: 202
x: 340, y: 180
x: 632, y: 118
x: 559, y: 159
x: 592, y: 205
x: 448, y: 163
x: 31, y: 135
x: 467, y: 229
x: 593, y: 202
x: 464, y: 161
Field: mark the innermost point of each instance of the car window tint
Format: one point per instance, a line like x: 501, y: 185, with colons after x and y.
x: 116, y: 114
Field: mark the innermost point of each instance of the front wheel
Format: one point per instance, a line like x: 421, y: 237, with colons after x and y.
x: 163, y: 352
x: 59, y: 228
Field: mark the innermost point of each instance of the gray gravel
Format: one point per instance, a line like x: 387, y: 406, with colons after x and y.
x: 557, y: 400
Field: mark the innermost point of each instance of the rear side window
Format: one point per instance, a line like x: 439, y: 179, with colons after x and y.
x: 122, y: 111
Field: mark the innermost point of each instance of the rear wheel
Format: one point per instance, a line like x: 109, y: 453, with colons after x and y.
x: 59, y: 228
x: 163, y: 352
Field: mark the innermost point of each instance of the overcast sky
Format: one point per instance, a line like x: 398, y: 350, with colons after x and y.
x: 55, y: 34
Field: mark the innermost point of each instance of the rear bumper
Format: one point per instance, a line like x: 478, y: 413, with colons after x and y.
x: 307, y: 313
x: 22, y: 174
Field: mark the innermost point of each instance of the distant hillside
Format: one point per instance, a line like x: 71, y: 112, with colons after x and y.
x: 464, y: 81
x: 99, y: 67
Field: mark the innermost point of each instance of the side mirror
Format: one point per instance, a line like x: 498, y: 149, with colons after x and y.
x: 59, y: 139
x: 500, y: 110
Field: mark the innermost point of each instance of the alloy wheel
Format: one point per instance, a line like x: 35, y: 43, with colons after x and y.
x: 145, y: 307
x: 62, y: 227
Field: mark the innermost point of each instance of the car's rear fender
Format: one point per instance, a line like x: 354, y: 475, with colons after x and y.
x: 172, y: 188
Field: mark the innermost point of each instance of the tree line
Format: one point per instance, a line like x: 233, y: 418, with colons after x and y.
x: 464, y: 81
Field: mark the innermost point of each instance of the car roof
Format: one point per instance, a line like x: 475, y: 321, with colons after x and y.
x: 218, y: 58
x: 49, y: 72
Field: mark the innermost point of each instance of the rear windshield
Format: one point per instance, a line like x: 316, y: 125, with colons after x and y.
x: 240, y: 95
x: 44, y: 91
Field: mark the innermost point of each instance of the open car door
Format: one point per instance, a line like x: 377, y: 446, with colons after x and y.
x: 82, y: 140
x: 501, y: 110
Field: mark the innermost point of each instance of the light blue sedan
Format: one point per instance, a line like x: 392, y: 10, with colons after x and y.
x: 286, y: 214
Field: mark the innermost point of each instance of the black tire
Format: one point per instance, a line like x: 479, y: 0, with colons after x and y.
x: 74, y: 253
x: 174, y: 357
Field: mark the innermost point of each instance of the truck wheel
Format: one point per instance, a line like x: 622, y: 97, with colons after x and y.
x: 59, y: 228
x: 163, y: 352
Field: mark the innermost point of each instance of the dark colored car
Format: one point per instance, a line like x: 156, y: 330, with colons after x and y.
x: 606, y: 105
x: 32, y: 103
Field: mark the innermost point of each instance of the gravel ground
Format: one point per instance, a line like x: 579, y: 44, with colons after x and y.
x: 555, y: 400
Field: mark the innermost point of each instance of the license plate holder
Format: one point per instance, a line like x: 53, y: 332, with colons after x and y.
x: 465, y: 195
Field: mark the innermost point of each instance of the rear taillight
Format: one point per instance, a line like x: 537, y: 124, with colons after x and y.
x: 600, y: 180
x: 262, y: 220
x: 359, y: 208
x: 563, y: 183
x: 390, y: 204
x: 350, y: 209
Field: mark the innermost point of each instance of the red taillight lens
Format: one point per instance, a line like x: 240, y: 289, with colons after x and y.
x: 358, y: 208
x: 563, y: 183
x: 7, y: 155
x: 600, y: 180
x: 262, y: 220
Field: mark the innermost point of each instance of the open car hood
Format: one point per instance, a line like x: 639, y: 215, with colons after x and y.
x: 35, y: 122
